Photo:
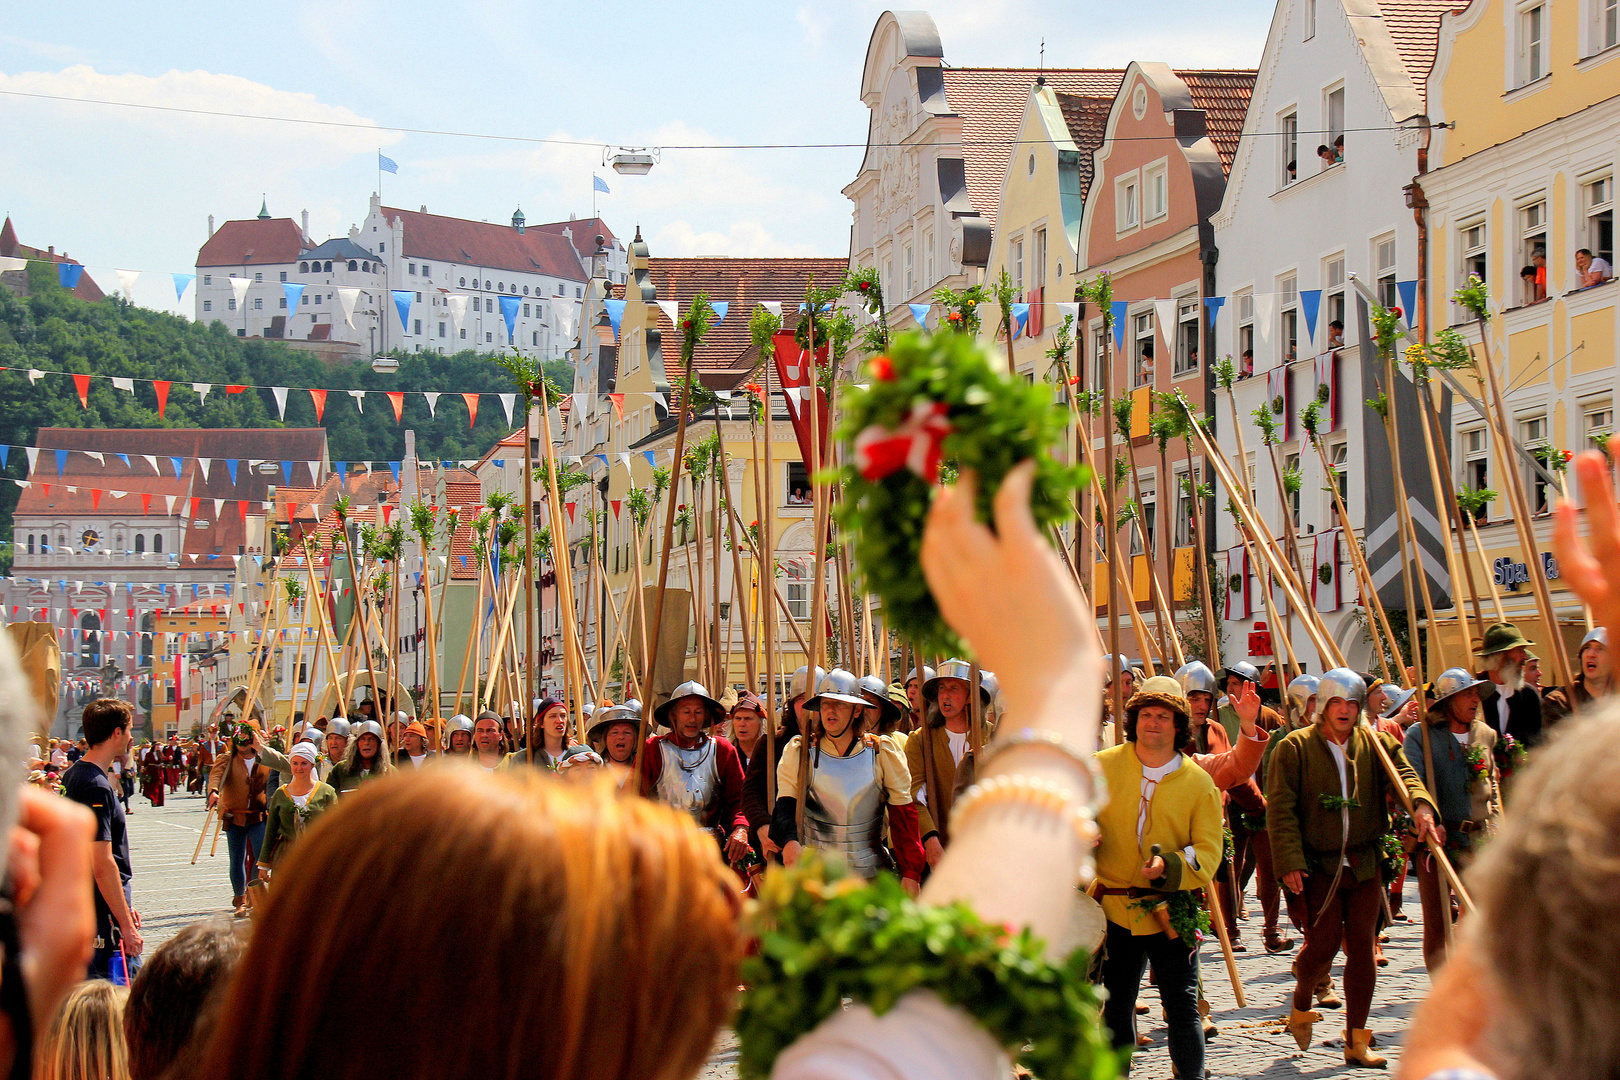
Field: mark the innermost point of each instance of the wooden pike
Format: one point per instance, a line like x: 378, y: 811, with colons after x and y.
x: 1218, y: 920
x: 811, y: 741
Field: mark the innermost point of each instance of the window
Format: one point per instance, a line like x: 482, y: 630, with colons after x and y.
x: 258, y: 303
x: 426, y: 269
x: 328, y: 266
x: 1245, y: 334
x: 412, y: 270
x: 1037, y: 259
x: 1288, y: 295
x: 1599, y: 198
x: 353, y: 265
x: 1099, y: 357
x: 1155, y: 193
x: 798, y: 599
x: 1185, y: 533
x: 1533, y: 437
x: 526, y: 314
x: 796, y: 486
x: 579, y: 292
x: 90, y: 640
x: 489, y: 337
x: 1333, y: 114
x: 1127, y: 207
x: 1291, y: 467
x: 208, y: 305
x: 1605, y: 27
x: 1533, y: 252
x: 463, y: 334
x: 259, y: 277
x: 157, y: 543
x: 30, y: 543
x: 1338, y: 461
x: 441, y: 330
x: 1384, y: 276
x: 1310, y: 19
x: 1597, y: 422
x: 463, y: 283
x: 1472, y: 243
x: 905, y: 264
x: 489, y: 305
x: 1532, y: 59
x: 1289, y: 126
x: 283, y: 304
x: 284, y: 274
x: 230, y: 304
x: 1186, y: 337
x: 1149, y: 510
x: 1333, y: 305
x: 208, y: 279
x: 1142, y: 354
x: 1015, y: 260
x: 928, y: 259
x: 418, y: 329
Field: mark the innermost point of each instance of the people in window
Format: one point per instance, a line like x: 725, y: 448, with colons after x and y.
x: 1292, y: 170
x: 1335, y: 338
x: 1192, y: 356
x: 1246, y: 364
x: 1328, y: 155
x: 1538, y: 259
x: 1527, y: 275
x: 1144, y: 366
x: 798, y: 496
x: 1338, y: 148
x: 1593, y: 269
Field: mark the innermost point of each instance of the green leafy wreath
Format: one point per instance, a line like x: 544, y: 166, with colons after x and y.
x: 994, y: 422
x: 826, y: 938
x: 1324, y: 573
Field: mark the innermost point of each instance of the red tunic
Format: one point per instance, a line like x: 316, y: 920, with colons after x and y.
x: 725, y: 813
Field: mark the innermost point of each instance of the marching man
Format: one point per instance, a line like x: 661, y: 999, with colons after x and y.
x: 1327, y: 795
x: 692, y: 770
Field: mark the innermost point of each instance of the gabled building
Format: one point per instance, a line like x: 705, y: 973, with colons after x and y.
x: 11, y: 248
x: 1525, y: 181
x: 1315, y: 205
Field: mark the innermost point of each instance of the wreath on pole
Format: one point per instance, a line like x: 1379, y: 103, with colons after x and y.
x: 938, y: 402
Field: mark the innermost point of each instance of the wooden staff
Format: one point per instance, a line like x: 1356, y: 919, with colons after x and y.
x: 474, y: 632
x: 321, y: 634
x: 745, y: 622
x: 818, y: 548
x: 1160, y: 621
x: 1358, y: 560
x: 1412, y: 550
x: 1201, y: 564
x: 766, y: 566
x: 1212, y: 894
x: 565, y: 583
x: 1490, y: 579
x: 663, y: 555
x: 1440, y: 468
x: 1111, y: 528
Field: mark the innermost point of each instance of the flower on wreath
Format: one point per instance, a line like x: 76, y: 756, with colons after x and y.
x: 882, y: 368
x: 1339, y: 802
x: 955, y: 316
x: 1478, y: 761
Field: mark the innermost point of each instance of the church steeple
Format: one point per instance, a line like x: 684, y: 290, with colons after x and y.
x: 518, y: 219
x: 264, y: 210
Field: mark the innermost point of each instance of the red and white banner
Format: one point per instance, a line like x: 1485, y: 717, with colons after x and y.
x: 797, y: 375
x: 1327, y: 374
x: 1326, y: 595
x: 1280, y: 400
x: 1237, y: 584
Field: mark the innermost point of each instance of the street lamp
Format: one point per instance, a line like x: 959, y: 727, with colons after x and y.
x: 384, y: 364
x: 632, y: 160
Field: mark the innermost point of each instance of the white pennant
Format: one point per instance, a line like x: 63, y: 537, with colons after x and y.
x: 151, y: 459
x: 33, y: 457
x: 280, y: 394
x: 347, y: 295
x: 172, y: 499
x: 34, y: 375
x: 123, y: 384
x: 126, y: 281
x: 201, y: 390
x: 507, y: 401
x: 359, y: 399
x: 203, y: 465
x: 458, y: 309
x: 101, y: 459
x: 772, y: 306
x: 219, y: 505
x: 432, y: 398
x: 240, y: 286
x: 668, y: 308
x: 1164, y: 313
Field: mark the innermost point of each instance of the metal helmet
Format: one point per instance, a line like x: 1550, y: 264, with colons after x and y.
x: 839, y: 685
x: 927, y: 673
x: 1196, y: 678
x: 458, y: 722
x: 874, y: 687
x: 610, y: 715
x: 589, y: 709
x: 1114, y: 664
x: 1245, y: 671
x: 1302, y: 689
x: 801, y: 684
x: 992, y: 687
x: 369, y: 727
x: 312, y: 734
x: 954, y: 669
x: 1395, y: 699
x: 632, y: 706
x: 1340, y: 683
x: 1598, y: 634
x: 690, y: 689
x: 1454, y: 681
x: 337, y: 726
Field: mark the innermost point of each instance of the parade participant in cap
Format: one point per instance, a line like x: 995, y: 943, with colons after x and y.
x: 1199, y: 687
x: 413, y: 746
x: 1327, y: 796
x: 935, y: 750
x: 337, y: 746
x: 1164, y: 842
x: 173, y: 759
x: 551, y: 738
x: 913, y: 687
x: 882, y: 713
x: 294, y: 806
x: 240, y: 785
x: 697, y: 772
x: 747, y: 726
x: 578, y: 764
x: 613, y: 733
x: 367, y: 757
x: 152, y: 778
x: 1467, y: 790
x: 488, y: 741
x: 794, y: 719
x: 459, y: 736
x: 1594, y: 678
x: 855, y: 781
x: 1507, y: 703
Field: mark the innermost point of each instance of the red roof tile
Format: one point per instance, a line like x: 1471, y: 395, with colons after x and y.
x: 480, y: 243
x: 86, y: 289
x: 1087, y: 121
x: 1414, y: 25
x: 583, y: 232
x: 253, y: 242
x: 742, y: 283
x: 991, y: 102
x: 1224, y: 97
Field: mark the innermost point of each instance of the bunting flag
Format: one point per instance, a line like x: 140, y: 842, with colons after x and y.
x: 1408, y: 294
x: 507, y: 401
x: 203, y: 465
x: 671, y: 311
x: 280, y: 394
x: 772, y: 306
x: 651, y: 458
x: 1310, y: 300
x: 616, y: 503
x: 472, y: 409
x: 1068, y: 310
x: 347, y: 296
x: 509, y: 311
x: 182, y: 282
x: 34, y: 375
x: 1213, y: 305
x: 571, y: 507
x: 68, y: 274
x: 179, y: 466
x: 318, y: 397
x: 920, y: 313
x: 402, y: 304
x: 359, y: 400
x: 721, y: 308
x: 458, y: 310
x: 618, y: 404
x: 432, y: 399
x: 387, y: 513
x: 95, y: 498
x: 81, y: 383
x: 201, y: 390
x: 295, y: 293
x: 397, y: 400
x: 1164, y: 318
x: 1020, y: 315
x: 615, y: 313
x: 161, y: 388
x: 146, y: 502
x: 239, y: 288
x: 1119, y: 309
x: 342, y: 470
x: 126, y: 282
x: 230, y: 465
x: 393, y: 467
x: 236, y: 388
x: 286, y: 472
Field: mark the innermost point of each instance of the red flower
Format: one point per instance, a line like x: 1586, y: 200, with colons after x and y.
x: 1074, y: 380
x: 882, y: 368
x: 1397, y: 313
x: 1569, y: 455
x: 686, y: 324
x: 955, y: 316
x: 865, y: 285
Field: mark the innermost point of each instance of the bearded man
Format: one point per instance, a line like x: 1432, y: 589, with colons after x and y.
x: 1509, y: 704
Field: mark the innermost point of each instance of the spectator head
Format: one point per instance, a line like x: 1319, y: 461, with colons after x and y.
x: 1325, y: 152
x: 1147, y: 350
x: 1293, y: 169
x: 1337, y: 325
x: 1554, y: 866
x: 1528, y: 274
x: 107, y: 718
x: 1583, y: 259
x: 1338, y: 144
x: 85, y: 1040
x: 1539, y: 257
x: 580, y: 934
x: 172, y: 991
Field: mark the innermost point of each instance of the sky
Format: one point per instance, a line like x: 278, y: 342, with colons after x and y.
x: 133, y: 188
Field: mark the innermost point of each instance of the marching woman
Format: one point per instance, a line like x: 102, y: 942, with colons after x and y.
x: 294, y: 806
x: 152, y: 773
x: 551, y: 722
x: 367, y: 758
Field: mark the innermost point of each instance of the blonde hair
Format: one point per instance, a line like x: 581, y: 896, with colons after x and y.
x: 1548, y: 891
x: 86, y: 1038
x: 575, y: 932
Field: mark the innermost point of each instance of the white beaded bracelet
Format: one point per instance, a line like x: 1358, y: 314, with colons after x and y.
x: 1031, y: 791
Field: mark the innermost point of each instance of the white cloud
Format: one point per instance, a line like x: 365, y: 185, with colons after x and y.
x: 49, y: 50
x: 743, y: 238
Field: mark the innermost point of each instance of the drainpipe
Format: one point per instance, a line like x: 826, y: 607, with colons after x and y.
x: 1420, y: 206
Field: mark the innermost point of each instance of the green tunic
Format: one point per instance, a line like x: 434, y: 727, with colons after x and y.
x: 285, y: 820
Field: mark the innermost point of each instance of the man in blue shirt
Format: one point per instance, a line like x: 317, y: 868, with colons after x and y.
x: 107, y: 723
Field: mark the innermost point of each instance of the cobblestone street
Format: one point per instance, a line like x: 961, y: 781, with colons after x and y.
x: 170, y: 892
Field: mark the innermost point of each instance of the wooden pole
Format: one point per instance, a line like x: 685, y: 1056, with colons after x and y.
x: 818, y: 549
x: 1434, y: 443
x: 1111, y: 533
x: 565, y: 582
x: 669, y: 529
x: 1219, y: 920
x: 766, y: 564
x: 1479, y: 549
x: 1358, y: 560
x: 1201, y: 562
x: 475, y: 628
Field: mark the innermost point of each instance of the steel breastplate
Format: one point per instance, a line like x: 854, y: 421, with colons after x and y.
x: 690, y: 779
x: 843, y: 810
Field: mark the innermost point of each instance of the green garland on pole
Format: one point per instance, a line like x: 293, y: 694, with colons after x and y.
x: 994, y: 422
x: 826, y: 938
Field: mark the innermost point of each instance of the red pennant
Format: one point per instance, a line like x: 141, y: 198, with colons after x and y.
x: 47, y: 488
x: 387, y: 513
x: 319, y: 397
x: 616, y: 504
x: 618, y: 404
x: 146, y: 502
x: 161, y: 388
x: 396, y: 398
x: 194, y: 504
x: 241, y: 509
x: 82, y: 383
x: 472, y: 408
x: 95, y: 498
x: 292, y: 512
x: 235, y: 388
x: 571, y: 511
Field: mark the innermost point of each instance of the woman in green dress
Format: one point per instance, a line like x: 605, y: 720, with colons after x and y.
x: 294, y: 806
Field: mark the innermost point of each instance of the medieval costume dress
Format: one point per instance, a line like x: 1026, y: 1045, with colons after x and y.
x: 152, y: 774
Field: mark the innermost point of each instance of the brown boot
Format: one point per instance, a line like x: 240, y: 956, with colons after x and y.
x: 1358, y: 1052
x: 1300, y: 1025
x: 1325, y: 996
x: 1276, y: 942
